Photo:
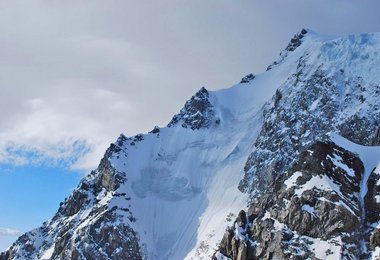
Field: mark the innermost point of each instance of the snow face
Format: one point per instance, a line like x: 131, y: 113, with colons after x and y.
x: 186, y: 184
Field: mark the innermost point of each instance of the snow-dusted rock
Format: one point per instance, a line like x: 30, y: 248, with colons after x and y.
x: 197, y: 112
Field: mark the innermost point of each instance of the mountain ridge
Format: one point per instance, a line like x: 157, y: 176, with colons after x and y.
x: 171, y: 193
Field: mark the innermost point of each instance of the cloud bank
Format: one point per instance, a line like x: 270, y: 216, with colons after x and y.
x: 76, y: 74
x: 9, y: 232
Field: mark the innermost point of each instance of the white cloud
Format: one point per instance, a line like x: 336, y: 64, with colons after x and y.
x: 9, y: 232
x: 64, y: 126
x: 74, y: 75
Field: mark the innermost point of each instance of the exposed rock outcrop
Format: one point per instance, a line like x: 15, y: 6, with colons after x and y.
x: 315, y: 203
x: 306, y: 112
x: 294, y: 43
x: 85, y: 227
x: 197, y: 112
x: 247, y: 79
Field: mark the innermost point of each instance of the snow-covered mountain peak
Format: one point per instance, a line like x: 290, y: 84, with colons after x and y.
x: 197, y: 113
x: 294, y: 43
x: 170, y: 193
x: 356, y: 54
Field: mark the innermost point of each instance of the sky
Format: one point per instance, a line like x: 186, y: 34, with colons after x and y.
x: 76, y: 74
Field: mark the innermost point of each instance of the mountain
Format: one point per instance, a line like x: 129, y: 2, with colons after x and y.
x: 283, y: 165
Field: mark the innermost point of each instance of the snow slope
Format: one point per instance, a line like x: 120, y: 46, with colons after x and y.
x: 186, y: 186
